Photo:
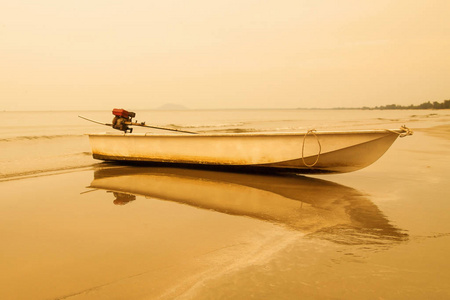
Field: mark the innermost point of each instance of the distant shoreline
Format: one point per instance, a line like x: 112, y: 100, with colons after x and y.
x: 426, y: 105
x: 173, y: 107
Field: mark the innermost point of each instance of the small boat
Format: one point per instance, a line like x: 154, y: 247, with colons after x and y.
x: 307, y: 152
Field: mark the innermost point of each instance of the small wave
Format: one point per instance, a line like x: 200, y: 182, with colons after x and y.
x: 234, y: 124
x: 233, y: 130
x: 16, y: 169
x: 387, y: 119
x: 222, y: 125
x: 425, y: 116
x: 255, y: 130
x: 38, y: 137
x: 35, y: 173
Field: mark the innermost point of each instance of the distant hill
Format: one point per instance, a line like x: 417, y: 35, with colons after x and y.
x: 172, y: 106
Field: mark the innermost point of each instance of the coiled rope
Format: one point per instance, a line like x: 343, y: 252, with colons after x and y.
x: 406, y: 131
x: 313, y: 132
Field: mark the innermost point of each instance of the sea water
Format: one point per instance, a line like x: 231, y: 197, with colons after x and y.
x: 379, y: 233
x: 39, y: 141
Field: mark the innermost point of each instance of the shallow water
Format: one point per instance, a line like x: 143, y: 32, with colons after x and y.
x: 91, y: 230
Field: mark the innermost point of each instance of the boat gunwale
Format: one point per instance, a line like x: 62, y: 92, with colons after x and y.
x: 250, y: 134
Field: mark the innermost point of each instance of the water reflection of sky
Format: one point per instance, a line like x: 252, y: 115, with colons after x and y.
x: 318, y: 208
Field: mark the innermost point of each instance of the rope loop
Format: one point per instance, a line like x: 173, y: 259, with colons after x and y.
x: 313, y: 132
x: 405, y: 131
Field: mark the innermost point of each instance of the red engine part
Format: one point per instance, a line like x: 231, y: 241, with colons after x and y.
x: 123, y: 113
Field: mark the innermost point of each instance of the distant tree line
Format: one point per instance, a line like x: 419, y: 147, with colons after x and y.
x: 426, y: 105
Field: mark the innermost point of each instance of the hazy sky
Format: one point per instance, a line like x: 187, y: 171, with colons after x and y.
x: 99, y: 54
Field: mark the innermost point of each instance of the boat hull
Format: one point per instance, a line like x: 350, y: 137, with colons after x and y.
x: 313, y: 152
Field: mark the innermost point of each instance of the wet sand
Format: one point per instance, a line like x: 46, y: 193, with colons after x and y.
x: 113, y: 232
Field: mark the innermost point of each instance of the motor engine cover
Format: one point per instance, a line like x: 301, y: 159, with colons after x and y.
x: 123, y: 113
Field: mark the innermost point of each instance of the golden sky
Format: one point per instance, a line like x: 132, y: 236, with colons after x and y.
x: 98, y: 54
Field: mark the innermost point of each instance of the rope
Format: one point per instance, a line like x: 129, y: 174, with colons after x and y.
x: 312, y: 131
x: 406, y: 131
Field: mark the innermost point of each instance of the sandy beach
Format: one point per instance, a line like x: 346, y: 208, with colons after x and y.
x: 106, y: 231
x: 324, y: 94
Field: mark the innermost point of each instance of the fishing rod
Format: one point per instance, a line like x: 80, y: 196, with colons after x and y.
x: 162, y: 128
x: 123, y: 119
x: 90, y: 120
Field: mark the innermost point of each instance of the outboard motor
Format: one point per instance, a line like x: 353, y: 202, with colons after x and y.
x: 122, y: 119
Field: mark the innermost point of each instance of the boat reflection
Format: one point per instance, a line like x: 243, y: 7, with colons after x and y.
x: 122, y: 198
x: 318, y: 208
